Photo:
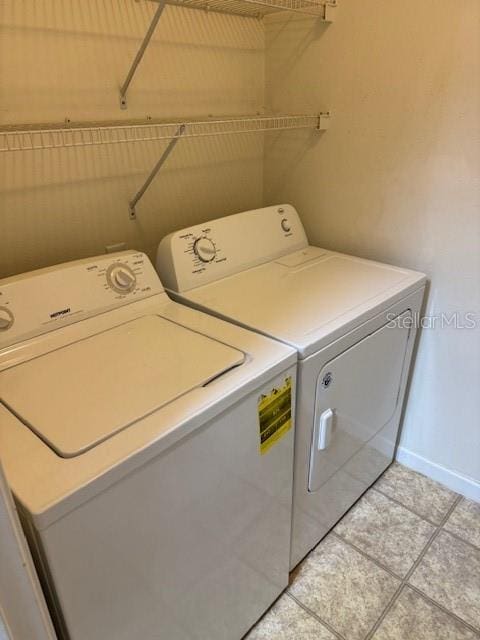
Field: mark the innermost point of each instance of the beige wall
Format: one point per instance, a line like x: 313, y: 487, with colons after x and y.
x: 66, y: 59
x: 397, y: 178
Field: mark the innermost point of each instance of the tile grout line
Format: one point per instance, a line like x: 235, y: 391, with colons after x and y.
x: 441, y: 528
x: 403, y: 581
x: 432, y: 539
x: 404, y: 584
x: 442, y: 608
x: 460, y: 539
x: 416, y: 513
x: 400, y: 589
x: 385, y: 612
x: 422, y: 553
x: 366, y: 555
x: 374, y: 561
x: 409, y: 573
x: 316, y: 617
x: 458, y: 498
x: 438, y: 527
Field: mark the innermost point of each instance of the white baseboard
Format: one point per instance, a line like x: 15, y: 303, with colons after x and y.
x: 464, y: 485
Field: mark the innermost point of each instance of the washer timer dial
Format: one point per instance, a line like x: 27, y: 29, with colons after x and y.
x: 121, y: 278
x: 204, y: 249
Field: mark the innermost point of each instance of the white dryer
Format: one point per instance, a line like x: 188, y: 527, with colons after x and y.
x: 150, y: 451
x: 352, y: 322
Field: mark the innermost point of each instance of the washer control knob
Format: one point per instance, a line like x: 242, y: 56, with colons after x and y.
x: 204, y: 249
x: 121, y: 278
x: 6, y: 319
x: 285, y: 225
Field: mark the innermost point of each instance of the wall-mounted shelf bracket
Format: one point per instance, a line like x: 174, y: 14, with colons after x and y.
x: 140, y: 53
x: 329, y: 11
x: 163, y: 158
x: 321, y: 122
x: 258, y: 8
x: 324, y: 121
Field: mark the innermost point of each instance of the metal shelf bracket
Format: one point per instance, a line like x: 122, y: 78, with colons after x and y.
x: 171, y: 146
x: 324, y: 121
x: 309, y: 7
x: 329, y: 11
x: 140, y: 53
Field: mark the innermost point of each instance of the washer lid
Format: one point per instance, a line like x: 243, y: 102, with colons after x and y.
x: 79, y: 395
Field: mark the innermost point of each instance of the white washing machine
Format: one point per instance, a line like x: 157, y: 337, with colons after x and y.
x: 150, y: 451
x: 352, y: 322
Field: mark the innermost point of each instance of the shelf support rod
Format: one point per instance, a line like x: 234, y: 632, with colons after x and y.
x: 140, y: 53
x: 171, y: 146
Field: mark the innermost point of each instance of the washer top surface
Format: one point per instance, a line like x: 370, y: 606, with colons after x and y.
x: 101, y: 372
x: 81, y: 394
x: 257, y: 269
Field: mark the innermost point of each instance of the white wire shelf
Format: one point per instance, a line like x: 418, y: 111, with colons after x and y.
x: 260, y: 8
x: 320, y: 9
x: 60, y: 137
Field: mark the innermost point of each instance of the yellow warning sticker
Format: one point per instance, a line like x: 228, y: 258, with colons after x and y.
x: 275, y: 415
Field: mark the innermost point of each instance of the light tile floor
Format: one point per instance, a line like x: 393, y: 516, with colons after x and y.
x: 403, y: 564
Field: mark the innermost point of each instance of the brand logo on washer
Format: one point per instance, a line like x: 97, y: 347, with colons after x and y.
x: 62, y: 312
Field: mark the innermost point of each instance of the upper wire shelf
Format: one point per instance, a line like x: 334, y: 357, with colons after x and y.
x: 57, y: 137
x: 321, y: 9
x: 259, y: 8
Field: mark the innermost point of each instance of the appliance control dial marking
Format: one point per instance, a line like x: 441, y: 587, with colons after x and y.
x: 121, y: 278
x: 204, y: 249
x: 6, y: 319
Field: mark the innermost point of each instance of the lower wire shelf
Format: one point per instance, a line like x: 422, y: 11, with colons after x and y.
x: 60, y: 137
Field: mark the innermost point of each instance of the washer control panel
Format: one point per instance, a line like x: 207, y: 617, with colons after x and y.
x: 40, y: 301
x: 204, y: 253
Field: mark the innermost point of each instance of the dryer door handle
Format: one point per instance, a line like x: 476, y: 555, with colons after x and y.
x: 322, y: 435
x: 325, y: 426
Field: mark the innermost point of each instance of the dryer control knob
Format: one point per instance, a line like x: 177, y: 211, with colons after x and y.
x: 204, y: 249
x: 285, y: 225
x: 6, y: 319
x: 121, y: 278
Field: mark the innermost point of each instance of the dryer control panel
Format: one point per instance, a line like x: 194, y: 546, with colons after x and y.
x: 207, y: 252
x: 40, y: 301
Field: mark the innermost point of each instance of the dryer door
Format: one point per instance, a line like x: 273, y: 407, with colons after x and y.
x: 357, y: 395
